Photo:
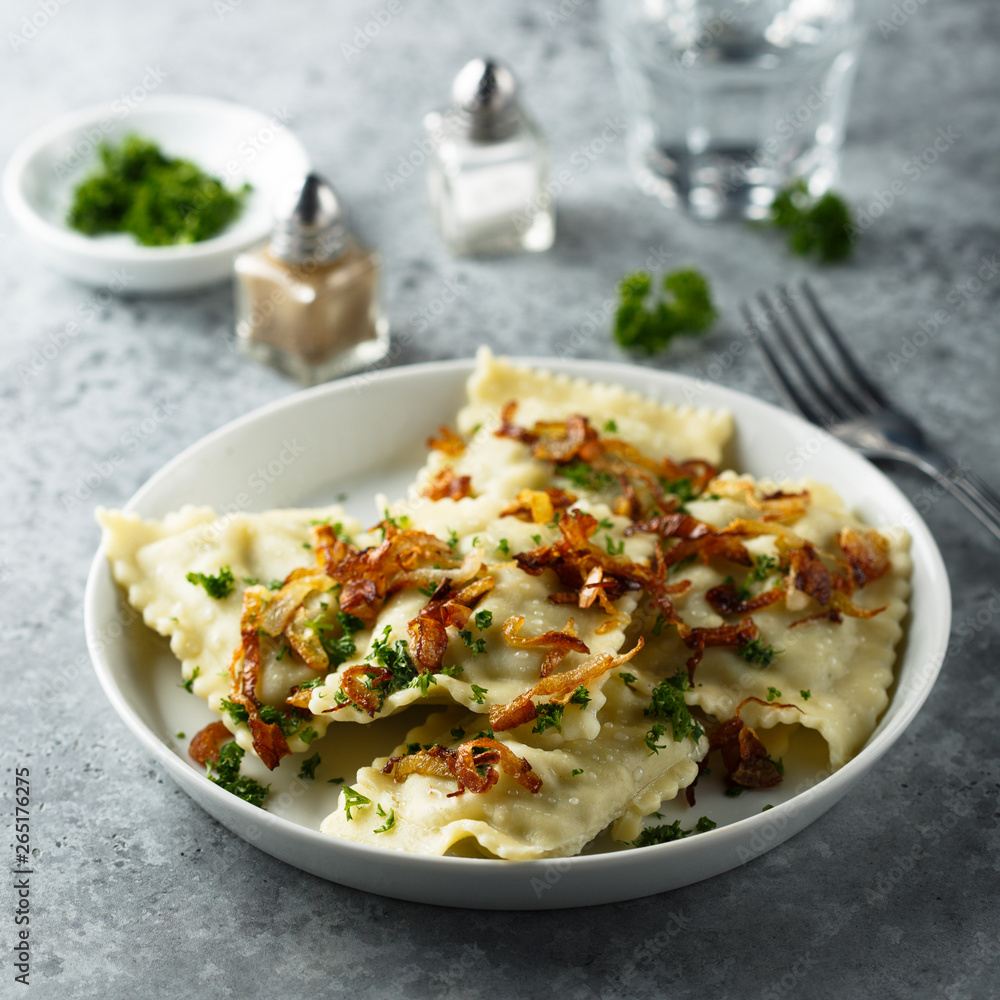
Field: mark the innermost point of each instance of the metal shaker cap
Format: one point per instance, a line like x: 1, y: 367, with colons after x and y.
x: 309, y: 222
x: 485, y: 96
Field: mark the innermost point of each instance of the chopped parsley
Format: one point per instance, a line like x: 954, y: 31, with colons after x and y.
x: 307, y: 735
x: 576, y: 771
x: 159, y: 199
x: 764, y: 566
x: 503, y: 547
x: 236, y: 711
x: 188, y: 682
x: 667, y: 704
x: 458, y: 734
x: 251, y: 581
x: 477, y: 646
x: 335, y: 781
x: 423, y: 681
x: 276, y: 585
x: 610, y: 427
x: 585, y: 476
x: 667, y: 832
x: 218, y: 586
x: 484, y: 619
x: 806, y: 694
x: 395, y: 659
x: 755, y: 652
x: 684, y: 308
x: 308, y: 769
x: 390, y: 820
x: 225, y: 772
x: 549, y: 717
x: 773, y: 693
x: 680, y: 488
x: 478, y: 694
x: 734, y: 792
x: 820, y: 226
x: 353, y: 799
x: 614, y: 548
x: 341, y: 648
x: 452, y: 539
x: 313, y: 682
x: 276, y: 717
x: 581, y: 697
x: 537, y: 539
x: 627, y: 679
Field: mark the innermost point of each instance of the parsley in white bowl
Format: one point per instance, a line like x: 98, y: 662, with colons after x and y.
x: 237, y: 145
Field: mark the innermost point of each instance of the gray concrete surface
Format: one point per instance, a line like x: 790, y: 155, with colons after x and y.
x: 136, y: 892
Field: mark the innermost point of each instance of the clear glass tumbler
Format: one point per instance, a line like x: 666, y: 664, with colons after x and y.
x: 728, y: 100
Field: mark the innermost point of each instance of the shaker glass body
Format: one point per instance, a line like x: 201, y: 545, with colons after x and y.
x: 314, y: 321
x: 490, y: 197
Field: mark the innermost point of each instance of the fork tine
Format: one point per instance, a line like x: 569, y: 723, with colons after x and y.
x: 775, y: 369
x: 875, y: 397
x: 821, y: 401
x: 852, y: 400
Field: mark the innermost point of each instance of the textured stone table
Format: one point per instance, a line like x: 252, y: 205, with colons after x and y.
x: 136, y: 892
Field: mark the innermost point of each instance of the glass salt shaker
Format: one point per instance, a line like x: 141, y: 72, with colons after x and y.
x: 488, y: 172
x: 307, y: 302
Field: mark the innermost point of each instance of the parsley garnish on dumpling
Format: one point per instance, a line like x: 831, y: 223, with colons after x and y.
x: 218, y: 586
x: 225, y: 772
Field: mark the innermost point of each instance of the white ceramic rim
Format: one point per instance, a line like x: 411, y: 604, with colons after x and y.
x: 63, y: 239
x: 589, y: 879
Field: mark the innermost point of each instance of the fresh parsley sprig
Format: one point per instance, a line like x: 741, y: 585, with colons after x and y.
x: 683, y: 307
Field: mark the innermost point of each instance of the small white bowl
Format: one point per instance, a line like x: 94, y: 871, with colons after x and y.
x: 234, y: 143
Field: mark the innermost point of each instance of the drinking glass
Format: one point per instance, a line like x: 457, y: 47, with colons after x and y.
x: 728, y: 100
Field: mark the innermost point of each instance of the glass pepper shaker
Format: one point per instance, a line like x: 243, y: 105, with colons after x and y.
x: 307, y: 302
x: 488, y: 172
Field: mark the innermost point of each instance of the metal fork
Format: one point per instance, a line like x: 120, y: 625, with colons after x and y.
x: 817, y: 376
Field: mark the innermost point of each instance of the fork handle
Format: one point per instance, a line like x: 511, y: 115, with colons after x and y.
x: 967, y: 487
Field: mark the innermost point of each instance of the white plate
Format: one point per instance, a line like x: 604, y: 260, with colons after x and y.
x: 367, y: 434
x: 226, y: 140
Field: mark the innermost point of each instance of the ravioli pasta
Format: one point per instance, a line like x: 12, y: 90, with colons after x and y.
x: 595, y: 610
